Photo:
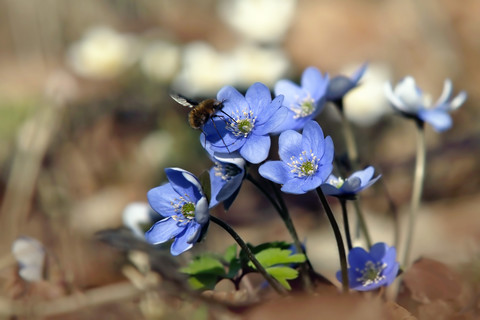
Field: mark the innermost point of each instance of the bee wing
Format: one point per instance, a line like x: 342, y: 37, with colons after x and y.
x: 184, y: 101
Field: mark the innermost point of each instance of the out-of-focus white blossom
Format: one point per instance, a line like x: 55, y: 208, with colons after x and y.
x: 259, y: 64
x: 137, y: 215
x: 30, y: 255
x: 365, y: 104
x: 258, y: 20
x: 102, y: 53
x: 204, y: 70
x: 160, y: 60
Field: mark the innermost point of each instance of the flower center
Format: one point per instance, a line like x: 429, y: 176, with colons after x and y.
x: 305, y: 108
x: 304, y: 165
x: 184, y: 208
x: 338, y: 183
x: 371, y: 273
x: 242, y: 123
x: 226, y: 170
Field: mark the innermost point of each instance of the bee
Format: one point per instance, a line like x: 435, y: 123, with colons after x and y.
x: 201, y: 111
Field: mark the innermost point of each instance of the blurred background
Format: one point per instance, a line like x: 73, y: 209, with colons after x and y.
x: 87, y: 125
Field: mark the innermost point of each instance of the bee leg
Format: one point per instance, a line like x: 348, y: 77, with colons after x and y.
x: 218, y: 135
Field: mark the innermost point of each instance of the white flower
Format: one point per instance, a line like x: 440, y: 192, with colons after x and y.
x: 161, y: 60
x: 258, y: 20
x: 102, y: 53
x: 30, y: 256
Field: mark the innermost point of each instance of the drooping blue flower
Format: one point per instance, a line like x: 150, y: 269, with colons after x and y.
x: 409, y: 100
x: 304, y: 102
x: 306, y: 160
x: 245, y: 122
x: 340, y: 85
x: 185, y: 207
x: 371, y: 270
x: 348, y: 188
x: 226, y: 177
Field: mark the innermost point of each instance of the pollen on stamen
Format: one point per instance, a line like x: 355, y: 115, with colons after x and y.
x: 371, y: 273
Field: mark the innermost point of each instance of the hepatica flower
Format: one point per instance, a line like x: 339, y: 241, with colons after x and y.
x: 304, y: 102
x: 185, y: 208
x: 340, y: 85
x: 306, y: 160
x: 226, y: 177
x: 245, y: 122
x: 371, y: 270
x: 348, y: 188
x: 409, y: 100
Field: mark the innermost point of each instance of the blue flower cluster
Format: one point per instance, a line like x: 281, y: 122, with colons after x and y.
x: 240, y: 133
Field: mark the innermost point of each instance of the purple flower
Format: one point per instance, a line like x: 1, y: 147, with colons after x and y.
x: 185, y: 207
x: 371, y: 270
x: 348, y: 188
x: 244, y: 123
x: 340, y: 85
x: 304, y: 102
x: 306, y: 160
x: 409, y: 100
x: 226, y: 177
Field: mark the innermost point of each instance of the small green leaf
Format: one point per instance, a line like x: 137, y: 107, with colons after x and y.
x: 276, y: 256
x: 282, y: 274
x: 230, y: 253
x: 204, y: 264
x: 203, y: 281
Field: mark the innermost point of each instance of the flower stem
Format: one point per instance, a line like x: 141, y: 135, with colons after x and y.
x: 352, y: 152
x: 346, y: 226
x: 338, y: 238
x: 283, y: 212
x: 275, y: 285
x: 417, y: 190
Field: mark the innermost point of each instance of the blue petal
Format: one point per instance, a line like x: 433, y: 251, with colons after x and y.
x: 289, y: 90
x: 185, y: 183
x: 351, y: 185
x: 276, y: 171
x: 216, y: 184
x: 163, y: 231
x: 378, y: 251
x: 359, y: 73
x: 182, y: 243
x: 438, y: 119
x: 290, y: 122
x: 293, y: 186
x: 328, y: 151
x: 314, y: 83
x: 230, y: 187
x: 358, y: 257
x: 313, y: 138
x: 202, y: 215
x: 364, y: 175
x: 289, y: 144
x: 256, y: 148
x: 324, y: 170
x: 258, y: 96
x: 275, y: 122
x: 232, y: 99
x: 311, y: 183
x: 330, y: 190
x: 160, y: 199
x: 266, y: 112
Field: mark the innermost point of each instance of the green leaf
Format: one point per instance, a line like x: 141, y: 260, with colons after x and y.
x: 276, y: 256
x: 203, y: 281
x: 204, y: 264
x: 230, y: 253
x: 282, y: 274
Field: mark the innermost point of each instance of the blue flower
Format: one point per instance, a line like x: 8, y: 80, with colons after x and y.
x: 226, y: 177
x: 304, y: 102
x: 348, y: 188
x: 185, y: 207
x: 340, y: 85
x: 244, y: 123
x: 409, y: 100
x: 306, y: 160
x: 371, y: 270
